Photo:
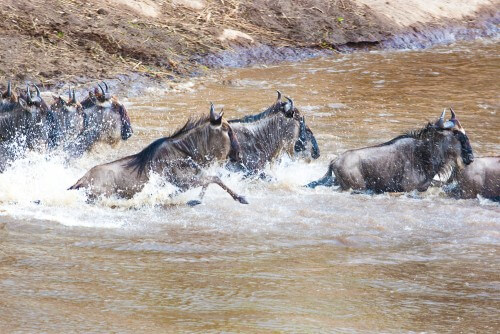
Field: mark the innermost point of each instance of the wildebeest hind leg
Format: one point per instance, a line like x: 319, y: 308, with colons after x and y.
x: 218, y: 181
x: 327, y: 180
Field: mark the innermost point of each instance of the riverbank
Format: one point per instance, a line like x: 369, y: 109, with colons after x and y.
x: 55, y: 42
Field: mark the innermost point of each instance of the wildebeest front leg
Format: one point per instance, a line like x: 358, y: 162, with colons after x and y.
x: 195, y: 202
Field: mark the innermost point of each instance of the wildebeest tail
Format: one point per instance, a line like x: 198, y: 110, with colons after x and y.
x: 327, y: 180
x: 79, y: 184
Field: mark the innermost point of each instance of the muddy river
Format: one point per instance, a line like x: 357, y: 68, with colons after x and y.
x: 294, y: 259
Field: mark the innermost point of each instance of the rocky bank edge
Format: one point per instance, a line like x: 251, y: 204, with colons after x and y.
x: 53, y: 42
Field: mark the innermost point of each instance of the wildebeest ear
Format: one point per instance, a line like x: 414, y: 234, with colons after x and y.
x: 59, y: 98
x: 214, y: 118
x: 23, y: 103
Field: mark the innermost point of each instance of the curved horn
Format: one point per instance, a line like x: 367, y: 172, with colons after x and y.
x: 214, y: 118
x: 291, y: 103
x: 102, y: 89
x: 9, y: 89
x: 37, y: 90
x: 440, y: 121
x: 106, y: 85
x: 28, y: 93
x: 69, y: 92
x: 279, y: 96
x: 73, y: 98
x: 221, y: 113
x: 453, y: 115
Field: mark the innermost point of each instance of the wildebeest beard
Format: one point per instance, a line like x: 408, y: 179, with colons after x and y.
x: 306, y: 136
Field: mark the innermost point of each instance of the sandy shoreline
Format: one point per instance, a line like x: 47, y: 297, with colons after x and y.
x: 57, y: 42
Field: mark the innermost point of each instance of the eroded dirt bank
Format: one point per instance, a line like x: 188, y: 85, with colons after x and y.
x: 56, y: 41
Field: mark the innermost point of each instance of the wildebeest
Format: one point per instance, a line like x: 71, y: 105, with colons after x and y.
x: 266, y: 136
x: 404, y: 163
x: 24, y: 123
x: 105, y: 120
x: 24, y: 118
x: 67, y: 120
x: 482, y: 177
x: 9, y: 99
x: 179, y: 159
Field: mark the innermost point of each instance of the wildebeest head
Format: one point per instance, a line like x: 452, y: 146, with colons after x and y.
x: 222, y: 141
x: 114, y: 117
x: 70, y: 106
x: 9, y: 100
x: 126, y: 126
x: 103, y: 96
x: 455, y: 142
x: 33, y: 102
x: 306, y: 144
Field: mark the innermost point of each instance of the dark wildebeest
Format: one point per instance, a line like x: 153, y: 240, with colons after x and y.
x: 403, y: 164
x: 24, y: 118
x: 266, y: 136
x: 105, y: 120
x: 482, y: 177
x: 9, y: 99
x: 67, y: 122
x: 12, y: 114
x: 24, y: 123
x: 179, y: 159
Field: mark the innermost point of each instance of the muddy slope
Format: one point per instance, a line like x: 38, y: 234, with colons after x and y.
x: 53, y: 41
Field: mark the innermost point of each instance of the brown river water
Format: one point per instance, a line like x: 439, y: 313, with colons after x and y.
x: 294, y: 260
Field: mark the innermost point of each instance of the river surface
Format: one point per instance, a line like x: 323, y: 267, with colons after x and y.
x: 295, y: 259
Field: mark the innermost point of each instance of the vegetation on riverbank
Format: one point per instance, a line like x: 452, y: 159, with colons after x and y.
x: 54, y: 41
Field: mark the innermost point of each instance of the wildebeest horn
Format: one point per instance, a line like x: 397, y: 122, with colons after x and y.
x: 9, y: 89
x: 445, y: 125
x: 290, y: 104
x: 102, y: 89
x: 453, y: 115
x: 440, y: 121
x: 73, y: 98
x: 106, y: 85
x: 37, y: 90
x: 214, y: 118
x: 279, y: 96
x: 28, y: 93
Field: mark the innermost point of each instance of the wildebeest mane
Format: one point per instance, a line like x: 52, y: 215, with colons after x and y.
x: 423, y: 133
x: 141, y: 160
x: 254, y: 118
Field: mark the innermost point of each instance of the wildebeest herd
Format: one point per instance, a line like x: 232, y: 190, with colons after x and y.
x: 408, y: 162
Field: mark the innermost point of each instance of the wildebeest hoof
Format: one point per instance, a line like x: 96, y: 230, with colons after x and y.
x: 193, y: 202
x: 242, y: 200
x: 312, y: 185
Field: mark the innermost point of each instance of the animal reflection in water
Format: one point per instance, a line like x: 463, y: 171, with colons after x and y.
x: 266, y: 136
x: 179, y: 159
x: 405, y: 163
